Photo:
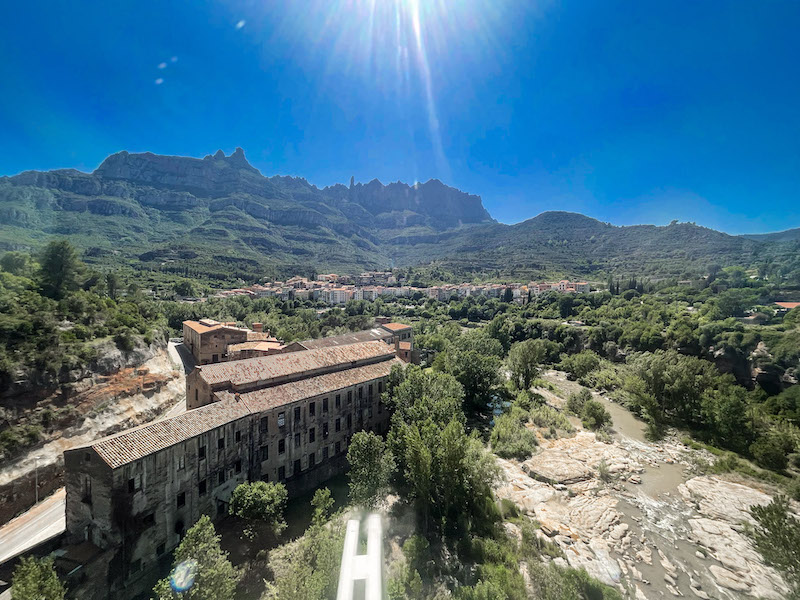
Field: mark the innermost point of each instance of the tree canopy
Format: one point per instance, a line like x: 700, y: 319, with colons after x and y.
x: 211, y: 576
x: 371, y: 467
x: 36, y: 579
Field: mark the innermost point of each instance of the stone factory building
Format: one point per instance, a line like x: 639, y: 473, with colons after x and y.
x: 286, y: 417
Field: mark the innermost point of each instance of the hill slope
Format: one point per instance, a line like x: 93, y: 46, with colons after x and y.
x: 570, y: 243
x: 790, y: 235
x: 219, y: 217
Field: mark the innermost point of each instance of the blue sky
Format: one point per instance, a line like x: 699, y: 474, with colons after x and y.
x: 630, y: 112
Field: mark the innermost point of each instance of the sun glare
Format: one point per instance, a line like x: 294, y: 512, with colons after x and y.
x: 406, y: 49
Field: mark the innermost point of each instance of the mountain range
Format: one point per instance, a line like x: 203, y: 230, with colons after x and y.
x: 219, y: 217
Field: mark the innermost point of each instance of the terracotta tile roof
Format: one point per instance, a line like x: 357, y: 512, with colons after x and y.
x: 264, y: 368
x: 405, y: 345
x: 202, y: 328
x: 265, y: 345
x: 396, y: 326
x: 789, y: 305
x: 133, y: 444
x: 346, y: 339
x: 199, y: 327
x: 267, y: 398
x: 125, y: 447
x: 253, y: 336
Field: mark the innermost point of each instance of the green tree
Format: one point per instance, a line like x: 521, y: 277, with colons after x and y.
x: 36, y: 579
x: 214, y: 577
x: 371, y: 467
x: 476, y: 367
x: 523, y: 362
x: 260, y: 501
x: 565, y: 306
x: 186, y: 288
x: 578, y: 400
x: 112, y: 285
x: 59, y: 269
x: 17, y: 263
x: 581, y: 364
x: 594, y: 415
x: 322, y: 505
x: 309, y: 568
x: 732, y: 303
x: 771, y: 450
x: 776, y: 535
x: 726, y: 411
x: 446, y: 473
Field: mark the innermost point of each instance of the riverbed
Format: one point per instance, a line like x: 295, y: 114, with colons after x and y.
x: 658, y: 528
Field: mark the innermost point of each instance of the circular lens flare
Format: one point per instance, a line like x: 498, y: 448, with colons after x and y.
x: 182, y: 576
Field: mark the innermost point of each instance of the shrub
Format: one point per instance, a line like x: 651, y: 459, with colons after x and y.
x: 576, y: 402
x: 510, y: 438
x: 770, y: 451
x: 260, y: 501
x: 125, y: 339
x: 36, y: 579
x: 794, y: 489
x: 527, y: 400
x: 508, y: 509
x: 580, y: 364
x: 776, y: 535
x: 603, y: 472
x: 547, y: 416
x: 594, y: 415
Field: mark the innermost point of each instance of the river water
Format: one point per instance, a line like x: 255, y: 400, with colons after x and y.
x: 653, y: 509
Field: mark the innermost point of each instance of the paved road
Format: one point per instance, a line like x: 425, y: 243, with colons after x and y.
x: 180, y: 355
x: 47, y: 519
x: 42, y: 522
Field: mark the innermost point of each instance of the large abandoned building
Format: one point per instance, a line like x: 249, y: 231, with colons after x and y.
x: 286, y: 417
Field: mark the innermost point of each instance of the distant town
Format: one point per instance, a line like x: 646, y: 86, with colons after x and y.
x: 371, y: 285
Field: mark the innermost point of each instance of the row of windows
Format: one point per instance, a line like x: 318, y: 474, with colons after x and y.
x: 134, y: 484
x: 312, y: 461
x: 312, y: 406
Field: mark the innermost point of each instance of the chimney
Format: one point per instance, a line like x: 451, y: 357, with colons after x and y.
x: 258, y: 327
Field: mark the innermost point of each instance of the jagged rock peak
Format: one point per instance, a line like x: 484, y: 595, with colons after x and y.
x: 219, y: 154
x: 238, y: 159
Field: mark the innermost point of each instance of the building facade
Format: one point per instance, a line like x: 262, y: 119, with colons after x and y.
x: 137, y: 492
x: 210, y: 341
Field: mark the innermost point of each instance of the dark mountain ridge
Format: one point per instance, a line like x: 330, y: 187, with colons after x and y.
x: 220, y: 216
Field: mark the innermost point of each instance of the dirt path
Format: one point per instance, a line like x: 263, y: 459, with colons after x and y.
x: 655, y: 527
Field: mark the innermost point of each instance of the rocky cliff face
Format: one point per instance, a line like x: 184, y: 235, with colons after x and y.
x: 211, y: 176
x: 233, y: 221
x: 400, y: 205
x: 223, y: 213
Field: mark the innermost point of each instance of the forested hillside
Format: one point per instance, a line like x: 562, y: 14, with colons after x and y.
x: 218, y: 218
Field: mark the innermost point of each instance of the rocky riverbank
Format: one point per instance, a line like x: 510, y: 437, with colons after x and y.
x: 638, y: 515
